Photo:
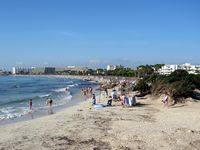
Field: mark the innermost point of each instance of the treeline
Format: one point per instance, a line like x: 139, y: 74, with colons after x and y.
x: 141, y: 71
x: 179, y: 84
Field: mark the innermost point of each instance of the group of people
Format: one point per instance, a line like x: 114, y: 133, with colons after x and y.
x: 124, y: 99
x: 128, y: 100
x: 109, y: 103
x: 48, y: 102
x: 87, y: 91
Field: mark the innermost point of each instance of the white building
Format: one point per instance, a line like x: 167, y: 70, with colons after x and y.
x: 13, y: 70
x: 168, y: 69
x: 22, y: 70
x: 111, y: 67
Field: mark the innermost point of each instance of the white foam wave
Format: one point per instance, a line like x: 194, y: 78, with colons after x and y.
x: 16, y: 112
x: 61, y: 89
x: 73, y: 85
x: 70, y: 82
x: 11, y: 112
x: 45, y: 95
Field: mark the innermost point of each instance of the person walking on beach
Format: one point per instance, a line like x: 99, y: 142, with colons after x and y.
x: 30, y: 104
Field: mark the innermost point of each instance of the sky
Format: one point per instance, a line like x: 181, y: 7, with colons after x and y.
x: 95, y: 33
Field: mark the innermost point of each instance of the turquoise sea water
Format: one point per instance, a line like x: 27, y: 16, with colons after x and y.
x: 15, y: 92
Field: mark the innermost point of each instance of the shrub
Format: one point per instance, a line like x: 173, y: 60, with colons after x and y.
x: 142, y: 86
x: 178, y: 84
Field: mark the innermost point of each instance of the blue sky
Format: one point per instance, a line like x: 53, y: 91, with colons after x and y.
x: 98, y: 32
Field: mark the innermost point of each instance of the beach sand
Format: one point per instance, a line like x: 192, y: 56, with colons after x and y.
x: 148, y: 126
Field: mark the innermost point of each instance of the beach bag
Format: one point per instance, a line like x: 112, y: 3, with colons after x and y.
x: 130, y: 101
x: 126, y: 100
x: 134, y: 101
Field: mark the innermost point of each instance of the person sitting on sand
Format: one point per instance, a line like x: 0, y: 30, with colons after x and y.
x: 122, y: 98
x: 93, y: 99
x: 109, y: 103
x: 114, y: 94
x: 165, y: 99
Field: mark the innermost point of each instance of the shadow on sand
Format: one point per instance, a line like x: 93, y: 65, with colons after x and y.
x: 140, y: 105
x: 176, y: 106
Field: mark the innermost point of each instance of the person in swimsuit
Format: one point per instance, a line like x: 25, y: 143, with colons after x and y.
x: 30, y: 104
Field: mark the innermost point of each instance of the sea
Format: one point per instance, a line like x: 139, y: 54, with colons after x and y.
x: 16, y: 91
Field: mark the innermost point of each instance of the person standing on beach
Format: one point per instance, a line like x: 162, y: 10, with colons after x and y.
x: 49, y: 102
x: 106, y: 92
x: 30, y: 104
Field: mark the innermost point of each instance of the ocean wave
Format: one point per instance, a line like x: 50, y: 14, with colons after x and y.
x: 73, y: 85
x: 69, y: 82
x: 12, y: 112
x: 61, y: 89
x: 58, y: 102
x: 45, y: 95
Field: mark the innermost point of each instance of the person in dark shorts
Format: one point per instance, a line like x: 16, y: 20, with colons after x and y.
x: 50, y: 102
x: 109, y: 103
x: 30, y: 104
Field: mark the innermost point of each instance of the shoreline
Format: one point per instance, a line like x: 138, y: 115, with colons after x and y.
x: 76, y: 99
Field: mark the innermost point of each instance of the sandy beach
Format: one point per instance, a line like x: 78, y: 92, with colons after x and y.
x: 149, y: 125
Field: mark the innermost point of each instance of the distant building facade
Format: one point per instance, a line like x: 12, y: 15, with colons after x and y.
x: 23, y: 71
x: 111, y: 67
x: 49, y: 70
x: 13, y: 70
x: 76, y: 68
x: 168, y: 69
x: 4, y: 72
x: 45, y: 70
